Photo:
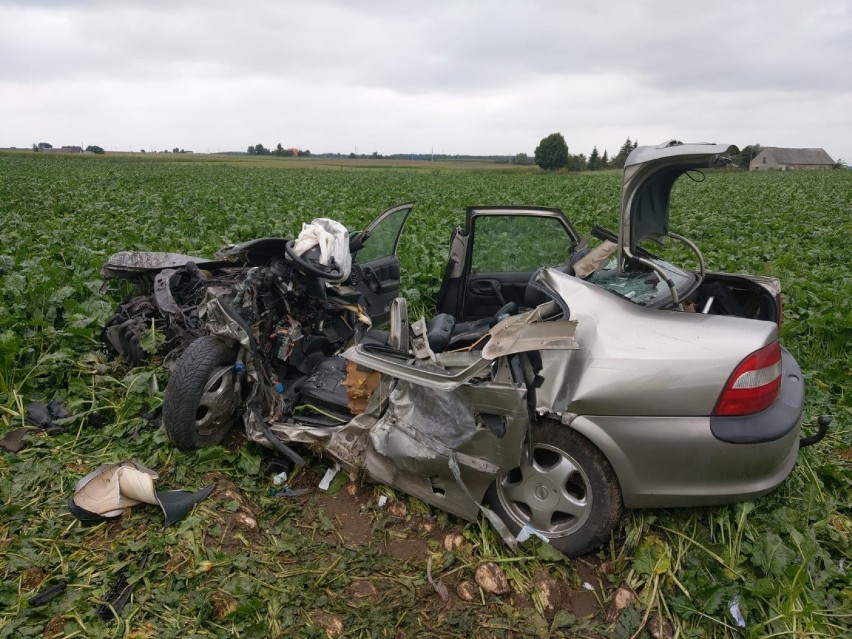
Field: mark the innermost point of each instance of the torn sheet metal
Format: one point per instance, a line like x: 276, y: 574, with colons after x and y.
x: 124, y: 262
x: 411, y: 445
x: 595, y: 259
x: 402, y: 367
x: 517, y: 335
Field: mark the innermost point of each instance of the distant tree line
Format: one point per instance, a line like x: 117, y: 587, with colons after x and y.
x: 280, y: 151
x: 552, y: 154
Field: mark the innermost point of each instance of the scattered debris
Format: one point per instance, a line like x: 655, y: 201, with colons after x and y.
x: 438, y: 585
x: 47, y: 594
x: 277, y: 465
x: 286, y: 491
x: 108, y: 491
x: 734, y: 608
x: 329, y: 476
x: 119, y: 594
x: 280, y: 478
x: 45, y: 415
x: 383, y: 500
x: 13, y: 440
x: 491, y: 578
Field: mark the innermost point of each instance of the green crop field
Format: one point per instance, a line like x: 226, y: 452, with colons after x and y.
x: 245, y: 563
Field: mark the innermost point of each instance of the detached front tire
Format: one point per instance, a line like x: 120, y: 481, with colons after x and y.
x: 203, y: 397
x: 569, y: 493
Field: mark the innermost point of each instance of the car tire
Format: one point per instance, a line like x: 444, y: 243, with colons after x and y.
x: 569, y: 494
x: 202, y: 398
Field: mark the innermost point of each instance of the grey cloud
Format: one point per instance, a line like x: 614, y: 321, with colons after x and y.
x: 479, y: 76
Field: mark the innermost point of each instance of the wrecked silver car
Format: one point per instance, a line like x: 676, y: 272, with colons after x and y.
x: 563, y: 378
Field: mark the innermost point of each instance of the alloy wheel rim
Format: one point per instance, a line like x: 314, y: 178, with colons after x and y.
x: 551, y: 495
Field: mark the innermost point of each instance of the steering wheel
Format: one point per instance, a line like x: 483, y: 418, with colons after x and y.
x: 311, y: 269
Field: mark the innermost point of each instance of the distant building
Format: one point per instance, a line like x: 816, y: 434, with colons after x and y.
x: 776, y: 158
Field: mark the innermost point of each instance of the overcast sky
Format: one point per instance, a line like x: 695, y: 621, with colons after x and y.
x: 491, y: 77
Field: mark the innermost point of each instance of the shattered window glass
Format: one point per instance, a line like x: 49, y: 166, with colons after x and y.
x: 640, y: 286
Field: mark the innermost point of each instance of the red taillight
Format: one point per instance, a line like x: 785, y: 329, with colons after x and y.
x: 754, y: 385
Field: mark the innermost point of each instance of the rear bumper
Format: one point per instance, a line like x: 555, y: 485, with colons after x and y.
x: 773, y: 423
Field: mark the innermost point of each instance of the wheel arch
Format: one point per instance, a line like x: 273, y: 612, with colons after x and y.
x: 624, y: 471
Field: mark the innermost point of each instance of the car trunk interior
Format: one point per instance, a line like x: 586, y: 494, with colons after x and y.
x: 736, y: 295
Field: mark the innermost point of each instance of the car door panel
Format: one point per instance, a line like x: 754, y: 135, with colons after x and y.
x: 488, y: 292
x: 378, y: 282
x: 375, y: 268
x: 492, y: 260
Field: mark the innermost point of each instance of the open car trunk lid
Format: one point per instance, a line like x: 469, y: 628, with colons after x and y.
x: 649, y: 173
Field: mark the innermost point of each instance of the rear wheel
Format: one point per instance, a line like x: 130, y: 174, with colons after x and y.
x: 569, y: 493
x: 203, y: 397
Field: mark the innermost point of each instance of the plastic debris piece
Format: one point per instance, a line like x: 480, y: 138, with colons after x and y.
x: 329, y: 476
x: 44, y: 415
x: 438, y: 585
x: 286, y: 491
x: 383, y: 500
x: 46, y: 595
x: 588, y: 586
x: 239, y: 367
x: 13, y: 440
x: 109, y: 490
x: 118, y: 596
x: 280, y: 478
x: 734, y: 607
x: 275, y: 465
x: 528, y: 531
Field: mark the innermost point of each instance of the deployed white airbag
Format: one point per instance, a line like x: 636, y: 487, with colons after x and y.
x: 332, y: 239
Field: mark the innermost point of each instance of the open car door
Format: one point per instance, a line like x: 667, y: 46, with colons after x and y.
x: 493, y: 258
x: 375, y: 265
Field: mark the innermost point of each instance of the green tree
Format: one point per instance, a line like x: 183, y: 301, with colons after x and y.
x: 744, y: 157
x: 552, y: 152
x: 621, y: 157
x: 594, y: 160
x: 576, y: 163
x: 521, y: 159
x: 605, y: 160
